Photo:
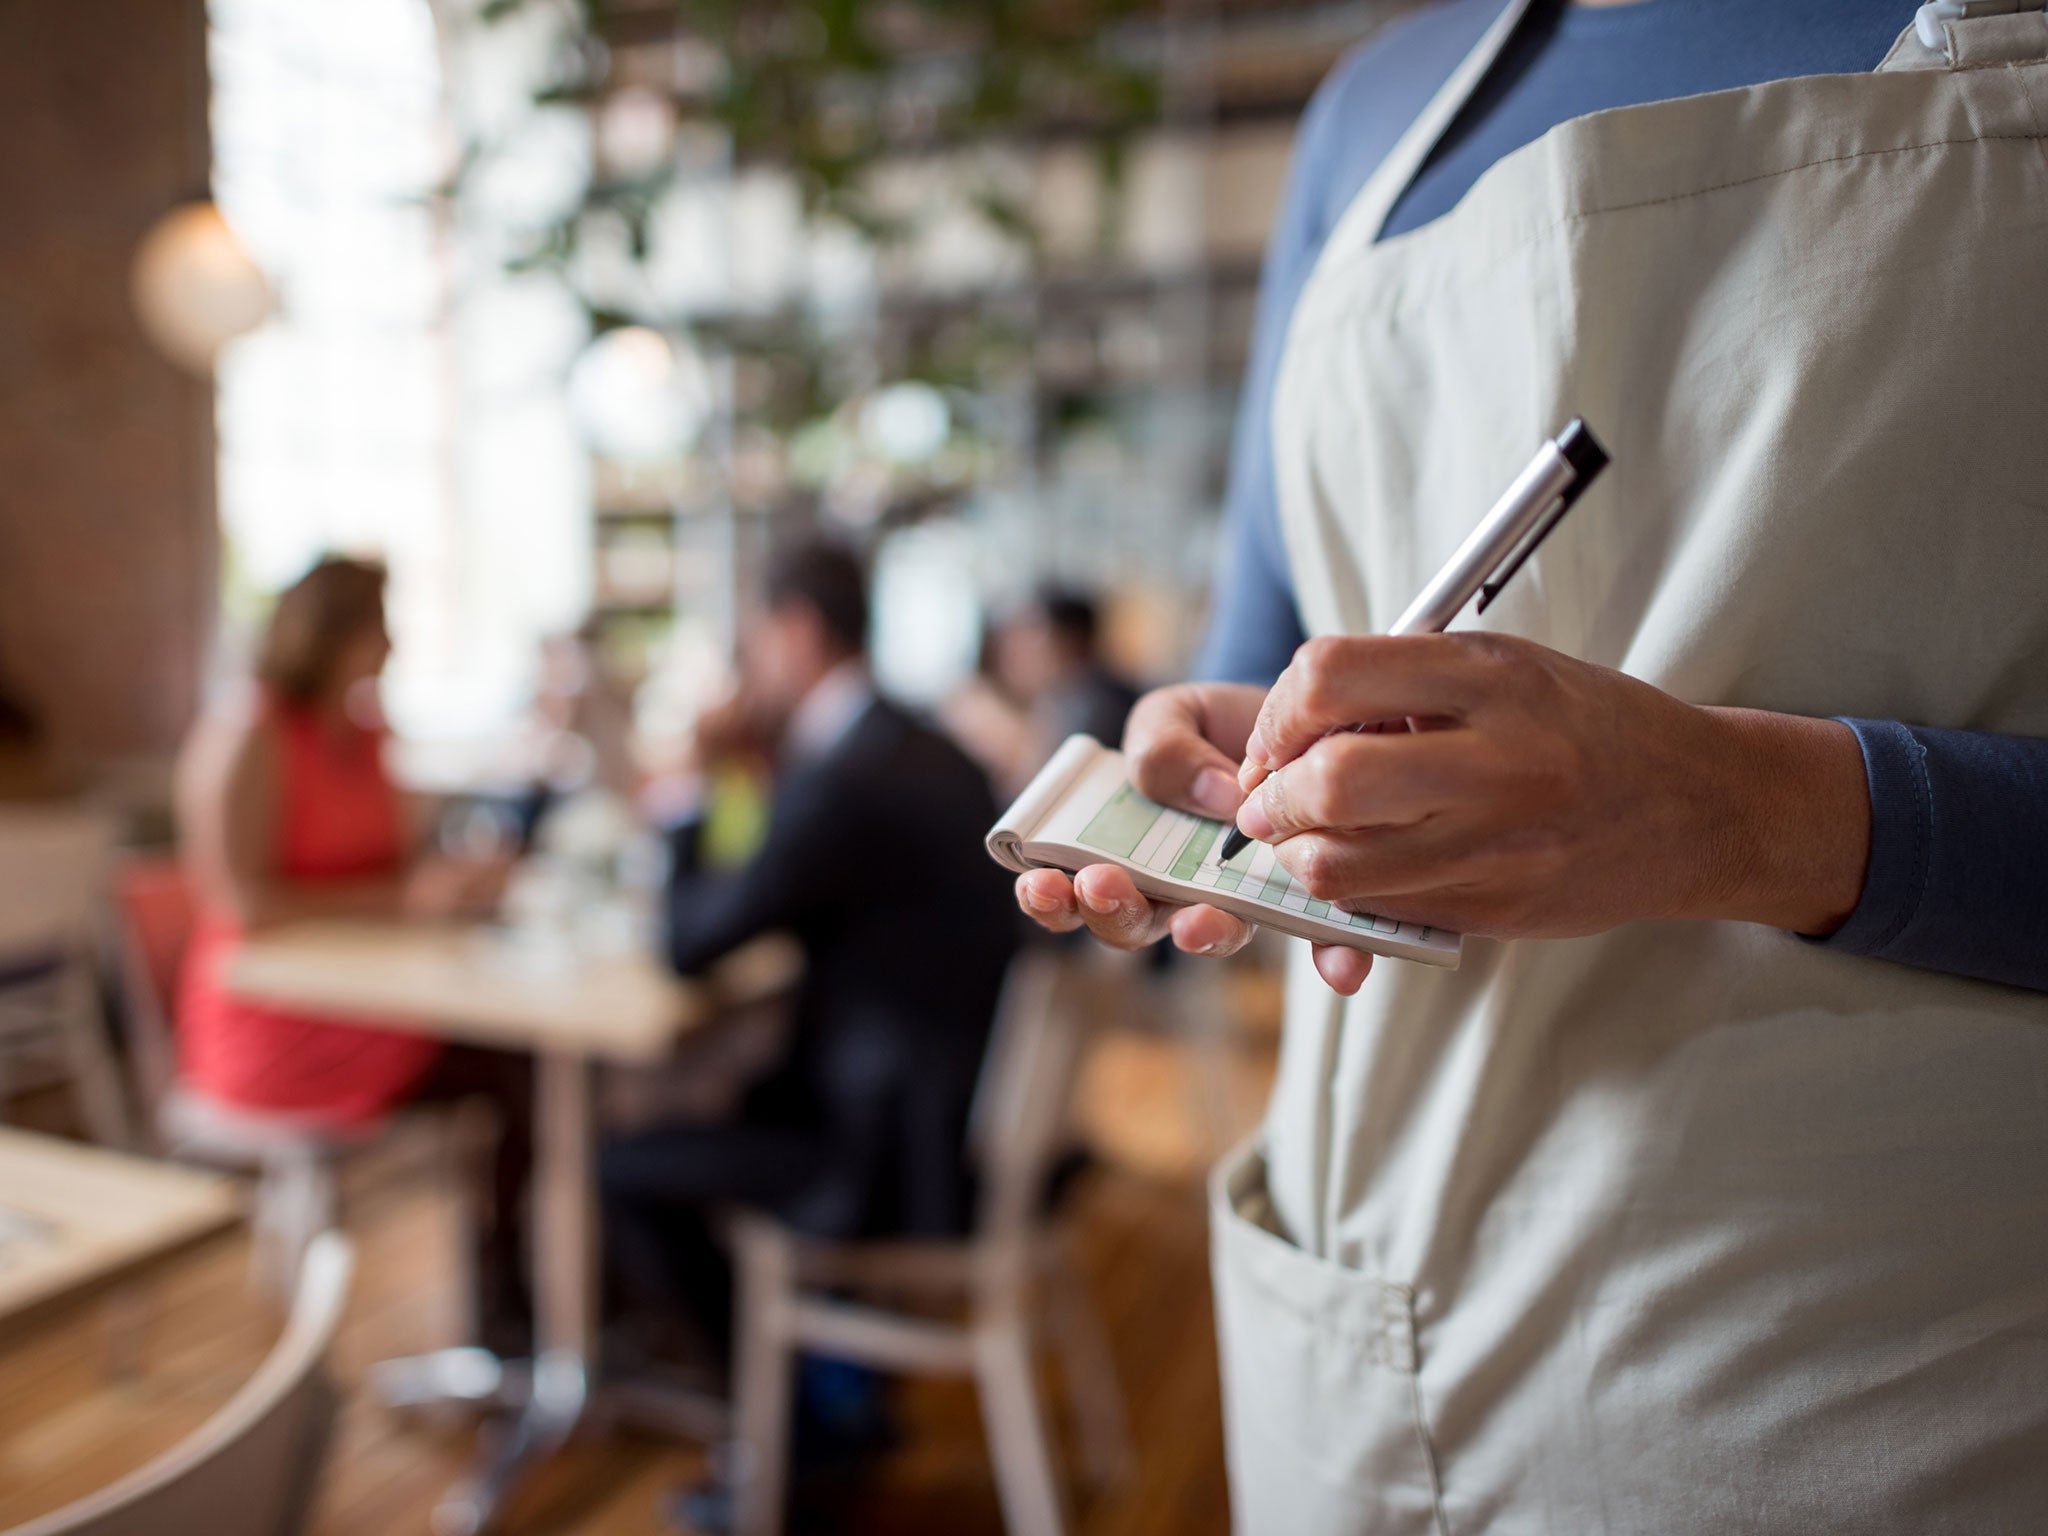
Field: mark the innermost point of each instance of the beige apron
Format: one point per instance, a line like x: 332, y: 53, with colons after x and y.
x: 1688, y: 1229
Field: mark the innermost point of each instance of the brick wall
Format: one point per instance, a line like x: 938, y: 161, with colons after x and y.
x: 108, y: 542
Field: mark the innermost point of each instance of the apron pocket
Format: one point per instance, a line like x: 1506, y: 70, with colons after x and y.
x: 1325, y: 1433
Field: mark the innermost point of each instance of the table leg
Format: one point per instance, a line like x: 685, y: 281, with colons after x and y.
x: 564, y: 1209
x: 564, y: 1266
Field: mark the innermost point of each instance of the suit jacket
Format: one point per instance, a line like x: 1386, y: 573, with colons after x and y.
x: 873, y: 858
x: 1097, y: 703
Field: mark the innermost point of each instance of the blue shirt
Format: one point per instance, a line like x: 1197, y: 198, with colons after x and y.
x: 1958, y: 877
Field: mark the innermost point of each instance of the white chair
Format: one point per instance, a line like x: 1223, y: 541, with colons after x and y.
x: 253, y: 1468
x: 52, y: 1023
x: 296, y: 1159
x: 796, y: 1292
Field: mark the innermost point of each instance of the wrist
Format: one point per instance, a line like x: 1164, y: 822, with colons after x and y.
x: 1791, y: 822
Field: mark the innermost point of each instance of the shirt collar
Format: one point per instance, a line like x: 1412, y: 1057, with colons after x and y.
x: 825, y: 714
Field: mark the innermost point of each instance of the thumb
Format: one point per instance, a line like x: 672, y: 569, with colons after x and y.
x: 1172, y: 762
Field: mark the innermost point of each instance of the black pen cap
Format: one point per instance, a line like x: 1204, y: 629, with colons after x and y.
x: 1582, y: 450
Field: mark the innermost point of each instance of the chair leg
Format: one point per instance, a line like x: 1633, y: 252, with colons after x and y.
x: 1207, y: 1042
x: 266, y: 1234
x: 129, y: 1313
x: 464, y: 1146
x: 1090, y: 1370
x: 94, y: 1075
x: 764, y: 1388
x: 1017, y: 1438
x: 295, y: 1202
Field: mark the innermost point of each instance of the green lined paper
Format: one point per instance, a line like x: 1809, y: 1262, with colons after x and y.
x: 1121, y: 825
x: 1196, y: 849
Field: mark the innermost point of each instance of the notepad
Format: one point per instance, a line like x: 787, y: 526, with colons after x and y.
x: 1081, y: 809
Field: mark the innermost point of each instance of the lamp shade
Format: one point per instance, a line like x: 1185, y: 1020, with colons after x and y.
x: 637, y: 397
x: 906, y: 424
x: 195, y: 287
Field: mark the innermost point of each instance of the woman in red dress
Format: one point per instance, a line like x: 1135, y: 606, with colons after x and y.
x: 286, y: 812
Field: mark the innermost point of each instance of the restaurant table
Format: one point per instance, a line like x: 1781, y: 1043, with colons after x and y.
x: 75, y: 1219
x: 570, y: 1007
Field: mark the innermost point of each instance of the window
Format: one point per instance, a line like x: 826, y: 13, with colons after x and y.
x: 406, y: 401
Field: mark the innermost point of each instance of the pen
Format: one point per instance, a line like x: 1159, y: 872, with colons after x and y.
x: 1505, y: 538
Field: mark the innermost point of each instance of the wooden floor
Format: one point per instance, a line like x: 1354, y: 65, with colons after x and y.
x: 66, y: 1427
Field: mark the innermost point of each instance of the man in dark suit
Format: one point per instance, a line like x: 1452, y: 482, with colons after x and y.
x: 1056, y: 662
x: 873, y: 859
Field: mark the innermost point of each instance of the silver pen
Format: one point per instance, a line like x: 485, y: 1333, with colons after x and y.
x: 1502, y: 543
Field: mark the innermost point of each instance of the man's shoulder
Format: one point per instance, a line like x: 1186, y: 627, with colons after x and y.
x: 891, y: 775
x: 894, y: 750
x: 888, y: 730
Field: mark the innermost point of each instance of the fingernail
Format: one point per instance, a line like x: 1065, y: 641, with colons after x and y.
x: 1252, y: 819
x: 1097, y: 902
x: 1036, y: 899
x: 1216, y: 792
x: 1255, y: 748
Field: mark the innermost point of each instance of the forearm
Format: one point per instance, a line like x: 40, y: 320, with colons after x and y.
x: 1786, y: 811
x: 1917, y: 846
x: 705, y: 920
x: 1552, y: 798
x: 268, y: 903
x: 801, y: 867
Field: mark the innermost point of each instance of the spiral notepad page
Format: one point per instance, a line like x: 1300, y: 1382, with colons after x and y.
x: 1082, y: 809
x: 1182, y: 846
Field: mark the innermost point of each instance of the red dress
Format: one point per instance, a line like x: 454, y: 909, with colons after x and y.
x: 339, y: 819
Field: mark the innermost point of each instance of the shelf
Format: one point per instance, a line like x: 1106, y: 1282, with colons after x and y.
x: 1072, y: 290
x: 1252, y: 62
x: 619, y: 605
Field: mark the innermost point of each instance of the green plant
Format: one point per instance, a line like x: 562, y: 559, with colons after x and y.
x: 830, y: 89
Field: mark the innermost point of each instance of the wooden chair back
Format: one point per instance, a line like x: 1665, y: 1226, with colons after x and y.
x: 52, y: 860
x: 1023, y: 1100
x: 252, y: 1469
x: 152, y: 919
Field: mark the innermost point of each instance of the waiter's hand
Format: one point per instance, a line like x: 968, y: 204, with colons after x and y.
x: 1183, y: 745
x: 1512, y: 791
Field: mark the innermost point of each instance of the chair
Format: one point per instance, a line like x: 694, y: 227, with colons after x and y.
x: 53, y: 1026
x: 295, y: 1157
x: 253, y: 1468
x: 796, y: 1292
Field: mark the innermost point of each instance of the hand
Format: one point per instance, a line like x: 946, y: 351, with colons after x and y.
x: 440, y: 888
x: 1540, y: 796
x: 728, y: 730
x: 1183, y: 745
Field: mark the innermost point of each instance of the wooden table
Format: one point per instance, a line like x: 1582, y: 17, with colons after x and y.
x: 495, y: 987
x: 74, y: 1218
x: 491, y: 987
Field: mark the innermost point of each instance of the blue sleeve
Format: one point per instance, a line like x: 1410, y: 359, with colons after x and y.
x: 1359, y: 113
x: 1254, y: 623
x: 1958, y: 877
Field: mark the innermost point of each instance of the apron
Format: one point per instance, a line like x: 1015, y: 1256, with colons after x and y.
x: 1686, y: 1229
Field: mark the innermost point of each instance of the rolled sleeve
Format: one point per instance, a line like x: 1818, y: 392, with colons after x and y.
x: 1958, y: 872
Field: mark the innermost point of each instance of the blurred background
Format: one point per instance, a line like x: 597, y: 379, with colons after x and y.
x: 570, y: 316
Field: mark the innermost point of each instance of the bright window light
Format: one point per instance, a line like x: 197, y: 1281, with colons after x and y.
x: 406, y: 402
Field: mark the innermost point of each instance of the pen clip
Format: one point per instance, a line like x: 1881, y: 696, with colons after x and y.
x: 1519, y: 556
x: 1587, y: 459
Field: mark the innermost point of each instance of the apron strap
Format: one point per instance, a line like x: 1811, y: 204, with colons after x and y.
x: 1362, y: 222
x: 1971, y: 34
x: 1954, y: 34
